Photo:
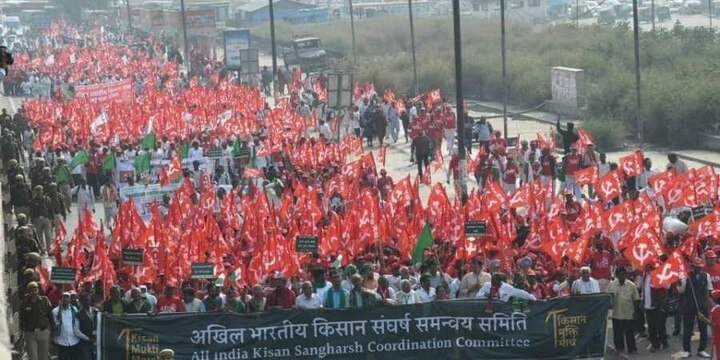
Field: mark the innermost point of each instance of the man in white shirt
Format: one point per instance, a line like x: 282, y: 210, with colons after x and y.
x: 406, y: 295
x: 196, y: 152
x: 426, y: 293
x: 325, y: 130
x: 585, y: 284
x: 641, y: 181
x: 676, y: 164
x: 67, y: 333
x: 308, y: 299
x: 497, y: 289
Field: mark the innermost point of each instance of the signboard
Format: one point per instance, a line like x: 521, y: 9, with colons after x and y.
x: 200, y: 18
x: 567, y: 89
x: 475, y: 228
x: 117, y: 90
x: 340, y: 90
x: 62, y: 275
x: 132, y: 256
x: 249, y: 61
x: 570, y: 327
x: 244, y: 153
x: 308, y: 244
x: 202, y: 271
x: 234, y: 41
x: 700, y: 211
x: 513, y: 141
x: 145, y: 195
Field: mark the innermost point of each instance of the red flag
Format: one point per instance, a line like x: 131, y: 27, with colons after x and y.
x: 681, y: 193
x: 632, y: 164
x: 586, y: 176
x: 609, y: 187
x: 669, y: 273
x: 56, y: 249
x: 660, y: 182
x: 644, y: 250
x: 172, y: 173
x: 577, y: 250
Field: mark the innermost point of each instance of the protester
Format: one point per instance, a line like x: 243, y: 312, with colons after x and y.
x: 67, y: 334
x: 585, y: 284
x: 307, y: 299
x: 625, y: 299
x: 697, y: 290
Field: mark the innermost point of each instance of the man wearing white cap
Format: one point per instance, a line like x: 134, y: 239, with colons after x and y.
x: 585, y: 284
x: 166, y: 354
x: 67, y: 332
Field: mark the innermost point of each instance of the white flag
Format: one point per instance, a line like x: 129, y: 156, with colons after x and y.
x: 224, y: 117
x: 50, y: 60
x: 99, y: 121
x: 150, y: 125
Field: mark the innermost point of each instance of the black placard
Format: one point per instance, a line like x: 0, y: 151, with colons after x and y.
x: 62, y: 275
x: 132, y: 256
x: 700, y: 211
x: 475, y: 228
x: 243, y: 153
x: 308, y: 244
x: 202, y: 271
x: 513, y: 141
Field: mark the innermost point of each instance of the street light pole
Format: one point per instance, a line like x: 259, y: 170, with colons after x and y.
x: 272, y: 40
x: 127, y: 3
x: 504, y: 68
x: 352, y: 29
x: 577, y: 14
x: 652, y: 13
x: 462, y: 166
x: 638, y: 105
x: 710, y: 13
x: 412, y: 42
x: 185, y: 38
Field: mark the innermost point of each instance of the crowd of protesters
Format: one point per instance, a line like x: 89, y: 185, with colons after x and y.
x: 41, y: 183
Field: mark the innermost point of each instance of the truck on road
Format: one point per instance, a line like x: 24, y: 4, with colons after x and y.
x: 306, y: 52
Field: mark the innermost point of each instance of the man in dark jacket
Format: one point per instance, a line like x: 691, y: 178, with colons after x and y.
x: 36, y: 322
x: 421, y: 146
x: 380, y: 124
x: 86, y: 320
x: 41, y: 214
x: 697, y: 288
x: 20, y: 195
x: 569, y: 136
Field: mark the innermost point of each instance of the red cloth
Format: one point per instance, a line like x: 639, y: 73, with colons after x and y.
x: 600, y: 264
x: 714, y: 272
x: 455, y: 166
x: 540, y: 291
x: 572, y: 164
x: 572, y: 211
x: 284, y: 298
x: 170, y: 305
x: 510, y: 175
x: 714, y: 317
x: 547, y: 165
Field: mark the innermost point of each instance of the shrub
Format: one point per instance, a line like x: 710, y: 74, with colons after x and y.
x: 607, y: 134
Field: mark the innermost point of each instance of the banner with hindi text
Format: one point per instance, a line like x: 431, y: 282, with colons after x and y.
x: 561, y: 328
x: 113, y: 91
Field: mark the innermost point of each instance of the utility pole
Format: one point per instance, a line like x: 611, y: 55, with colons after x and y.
x: 127, y: 4
x: 272, y: 40
x: 710, y: 14
x: 638, y: 105
x: 412, y: 42
x: 504, y: 68
x: 577, y: 13
x: 185, y: 38
x: 460, y: 101
x: 352, y: 29
x: 652, y: 13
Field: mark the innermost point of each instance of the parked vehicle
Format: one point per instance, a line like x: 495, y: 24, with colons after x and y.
x: 606, y: 16
x: 307, y: 53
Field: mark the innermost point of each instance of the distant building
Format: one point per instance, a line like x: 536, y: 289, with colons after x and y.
x: 529, y: 11
x: 258, y: 11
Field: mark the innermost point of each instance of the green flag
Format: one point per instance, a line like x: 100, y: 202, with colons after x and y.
x: 142, y: 164
x: 236, y: 148
x: 424, y: 241
x: 184, y: 148
x: 148, y: 142
x: 80, y: 158
x: 109, y: 163
x: 62, y: 174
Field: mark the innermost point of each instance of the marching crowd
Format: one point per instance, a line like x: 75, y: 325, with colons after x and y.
x: 555, y: 227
